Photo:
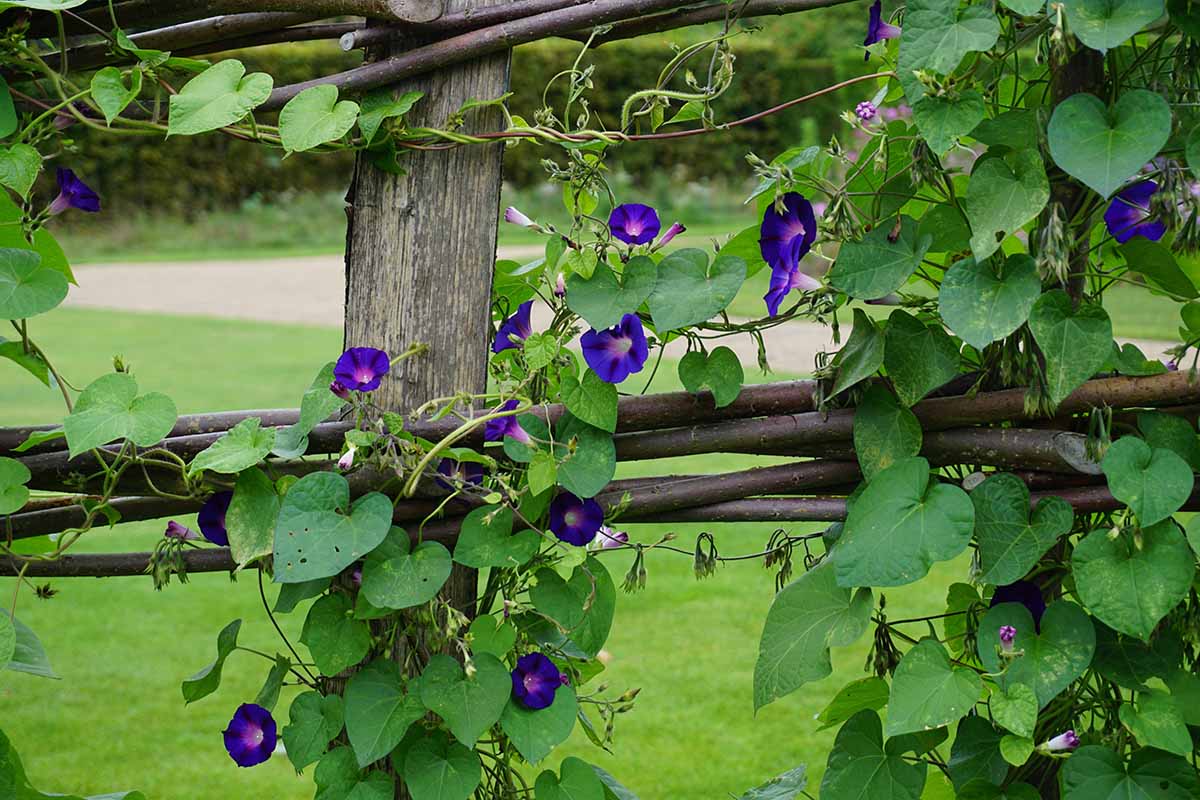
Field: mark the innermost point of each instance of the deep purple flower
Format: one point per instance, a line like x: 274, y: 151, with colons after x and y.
x: 782, y: 282
x: 1128, y: 215
x: 877, y: 29
x: 1027, y: 594
x: 616, y: 353
x: 515, y: 217
x: 459, y: 472
x: 354, y: 574
x: 634, y: 223
x: 250, y: 737
x: 575, y: 521
x: 535, y: 680
x: 339, y: 389
x: 610, y: 538
x: 181, y: 532
x: 212, y: 518
x: 866, y: 110
x: 1065, y: 742
x: 515, y: 329
x: 1008, y: 635
x: 362, y: 368
x: 671, y: 233
x: 73, y: 193
x: 785, y: 238
x: 494, y: 430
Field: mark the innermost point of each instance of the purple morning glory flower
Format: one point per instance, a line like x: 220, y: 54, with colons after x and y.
x: 877, y: 29
x: 866, y: 110
x: 1027, y: 594
x: 250, y: 737
x: 671, y: 233
x: 1008, y: 635
x: 782, y: 282
x: 1128, y: 215
x: 535, y: 680
x: 515, y: 329
x: 212, y: 518
x: 783, y: 239
x: 339, y: 389
x: 573, y: 520
x: 634, y: 223
x: 73, y: 193
x: 181, y: 532
x: 362, y: 368
x: 610, y: 538
x: 459, y: 472
x: 616, y: 353
x: 1063, y: 743
x: 494, y: 430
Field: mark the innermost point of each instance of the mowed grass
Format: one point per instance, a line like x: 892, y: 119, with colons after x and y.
x: 117, y: 719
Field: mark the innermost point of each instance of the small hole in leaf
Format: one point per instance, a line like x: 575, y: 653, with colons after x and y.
x: 337, y: 549
x: 304, y: 561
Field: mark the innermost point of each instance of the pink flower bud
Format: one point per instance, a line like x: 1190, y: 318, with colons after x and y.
x: 1063, y: 743
x: 347, y: 460
x: 514, y: 217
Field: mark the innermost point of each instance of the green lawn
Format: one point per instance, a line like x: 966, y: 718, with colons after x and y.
x: 117, y: 719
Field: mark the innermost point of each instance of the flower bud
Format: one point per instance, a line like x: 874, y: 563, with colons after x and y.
x: 1008, y: 635
x: 1065, y: 742
x: 347, y: 459
x: 513, y: 216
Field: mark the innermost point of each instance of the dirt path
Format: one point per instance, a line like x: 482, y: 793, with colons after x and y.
x: 310, y: 291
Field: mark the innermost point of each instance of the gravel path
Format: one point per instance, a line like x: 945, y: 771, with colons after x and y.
x: 310, y: 291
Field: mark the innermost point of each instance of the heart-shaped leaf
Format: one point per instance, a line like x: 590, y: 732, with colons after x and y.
x: 1153, y: 482
x: 861, y: 356
x: 918, y: 357
x: 438, y: 769
x: 221, y: 95
x: 928, y: 691
x: 379, y: 710
x: 1157, y: 264
x: 319, y: 533
x: 536, y: 733
x: 1011, y: 540
x: 208, y: 680
x: 382, y: 104
x: 1053, y: 658
x: 27, y: 286
x: 937, y: 35
x: 1016, y: 709
x: 13, y: 491
x: 975, y: 755
x: 314, y: 117
x: 884, y: 431
x: 110, y: 409
x: 1005, y: 192
x: 719, y: 371
x: 19, y: 167
x: 110, y: 92
x: 486, y: 540
x: 861, y: 767
x: 314, y: 720
x: 393, y: 577
x: 250, y: 520
x: 593, y: 400
x: 880, y: 262
x: 587, y: 457
x: 468, y: 705
x: 336, y: 640
x: 1105, y: 147
x: 1076, y: 342
x: 579, y: 611
x: 982, y: 303
x: 29, y: 655
x: 1097, y: 773
x: 689, y: 290
x: 315, y: 406
x: 863, y: 694
x: 246, y: 444
x: 786, y: 786
x: 900, y: 525
x: 578, y: 781
x: 1155, y: 720
x: 1105, y: 24
x: 489, y: 635
x: 12, y: 234
x: 602, y: 301
x: 1129, y: 584
x: 943, y: 120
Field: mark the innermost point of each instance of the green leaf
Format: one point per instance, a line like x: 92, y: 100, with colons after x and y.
x: 587, y: 457
x: 31, y: 362
x: 1004, y: 194
x: 884, y: 431
x: 438, y: 769
x: 1131, y: 663
x: 1016, y: 709
x: 960, y: 598
x: 1105, y: 24
x: 315, y: 407
x: 689, y: 290
x: 336, y: 640
x: 43, y: 5
x: 860, y: 767
x: 900, y: 525
x: 110, y: 92
x: 486, y: 540
x: 578, y: 781
x: 314, y: 720
x: 1158, y: 265
x: 928, y: 691
x: 207, y: 680
x: 861, y: 356
x: 19, y: 167
x: 319, y: 533
x: 12, y: 234
x: 1016, y: 750
x: 808, y: 617
x: 1168, y: 431
x: 490, y: 635
x: 8, y: 112
x: 1105, y: 147
x: 379, y: 710
x: 1025, y: 8
x: 314, y: 117
x: 719, y: 371
x: 879, y: 263
x: 540, y: 350
x: 268, y: 695
x: 592, y: 400
x: 982, y: 304
x: 946, y: 227
x: 1011, y: 540
x: 1053, y: 658
x: 1129, y: 584
x: 110, y: 409
x: 975, y: 754
x: 29, y: 655
x: 250, y: 520
x: 536, y: 733
x: 1017, y: 129
x: 1076, y: 342
x: 469, y: 705
x: 943, y: 120
x: 1097, y: 773
x: 918, y: 357
x: 8, y: 639
x: 1155, y: 720
x: 938, y: 34
x: 221, y: 95
x: 602, y: 301
x: 13, y: 492
x: 1154, y: 483
x: 27, y: 286
x: 1193, y: 534
x: 1127, y: 359
x: 869, y: 693
x: 787, y: 786
x: 1192, y: 151
x: 580, y: 610
x: 381, y: 104
x: 393, y: 577
x: 246, y: 444
x: 744, y: 245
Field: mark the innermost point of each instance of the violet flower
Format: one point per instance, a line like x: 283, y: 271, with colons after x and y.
x: 514, y: 217
x: 783, y: 239
x: 1065, y: 742
x: 877, y: 29
x: 457, y: 473
x: 181, y: 532
x: 573, y: 520
x: 618, y: 352
x: 535, y: 680
x: 610, y: 538
x: 339, y: 389
x: 212, y: 518
x: 1008, y: 635
x: 494, y: 430
x: 362, y: 368
x: 670, y: 234
x: 866, y: 110
x: 634, y: 223
x: 1128, y: 215
x: 250, y: 738
x: 73, y: 193
x: 782, y: 282
x: 1027, y: 594
x: 515, y: 329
